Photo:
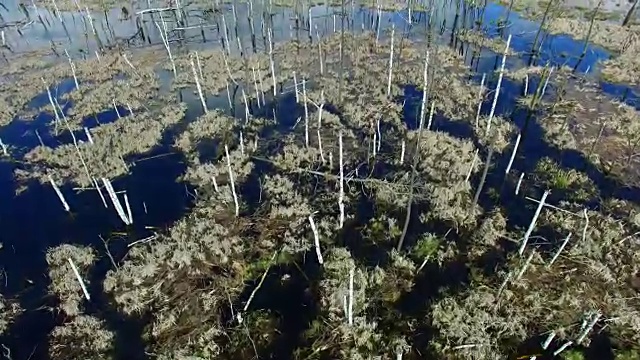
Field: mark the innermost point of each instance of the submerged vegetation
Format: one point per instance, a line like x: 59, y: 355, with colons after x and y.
x: 353, y: 182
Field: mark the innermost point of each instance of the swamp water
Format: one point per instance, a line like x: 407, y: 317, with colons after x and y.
x: 221, y: 259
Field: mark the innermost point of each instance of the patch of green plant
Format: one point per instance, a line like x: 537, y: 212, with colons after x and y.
x: 427, y: 246
x: 572, y: 355
x: 574, y: 185
x: 382, y: 229
x: 256, y: 267
x: 627, y: 355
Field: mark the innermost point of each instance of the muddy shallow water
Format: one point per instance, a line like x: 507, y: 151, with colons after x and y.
x: 297, y: 306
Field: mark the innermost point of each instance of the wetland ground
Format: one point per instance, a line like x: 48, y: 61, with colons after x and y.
x: 270, y: 179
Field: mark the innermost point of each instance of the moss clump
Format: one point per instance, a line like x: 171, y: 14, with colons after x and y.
x: 84, y: 337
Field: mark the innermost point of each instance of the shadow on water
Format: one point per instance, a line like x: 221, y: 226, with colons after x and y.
x: 289, y: 292
x: 556, y: 50
x: 157, y: 200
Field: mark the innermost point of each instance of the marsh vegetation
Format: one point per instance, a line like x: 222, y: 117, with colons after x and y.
x: 319, y: 180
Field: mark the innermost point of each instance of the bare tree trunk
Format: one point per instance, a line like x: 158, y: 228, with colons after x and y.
x: 593, y: 19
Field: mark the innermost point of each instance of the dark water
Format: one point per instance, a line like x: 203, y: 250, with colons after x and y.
x: 34, y: 220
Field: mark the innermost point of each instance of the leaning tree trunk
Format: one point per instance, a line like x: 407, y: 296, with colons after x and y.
x: 632, y: 10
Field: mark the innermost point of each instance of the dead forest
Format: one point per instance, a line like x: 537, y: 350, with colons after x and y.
x: 319, y: 179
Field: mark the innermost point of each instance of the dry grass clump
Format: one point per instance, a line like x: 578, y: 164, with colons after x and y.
x: 203, y: 174
x: 623, y: 40
x: 7, y: 112
x: 18, y: 91
x: 501, y: 132
x: 488, y: 234
x: 287, y: 205
x: 193, y: 282
x: 365, y: 84
x: 71, y: 6
x: 535, y: 9
x: 84, y: 337
x: 521, y: 73
x: 214, y: 70
x: 478, y: 38
x: 299, y: 56
x: 135, y: 93
x: 114, y: 64
x: 106, y: 156
x: 455, y: 97
x: 530, y: 8
x: 9, y: 310
x: 294, y: 156
x: 606, y: 34
x: 559, y: 75
x: 387, y: 5
x: 187, y: 277
x: 204, y: 241
x: 292, y: 3
x: 470, y: 327
x: 586, y: 120
x: 625, y: 68
x: 26, y: 61
x: 593, y: 273
x: 364, y: 92
x: 621, y: 144
x: 452, y: 93
x: 333, y: 333
x: 64, y: 283
x: 213, y: 126
x: 556, y: 130
x: 442, y: 173
x: 111, y: 76
x: 101, y: 81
